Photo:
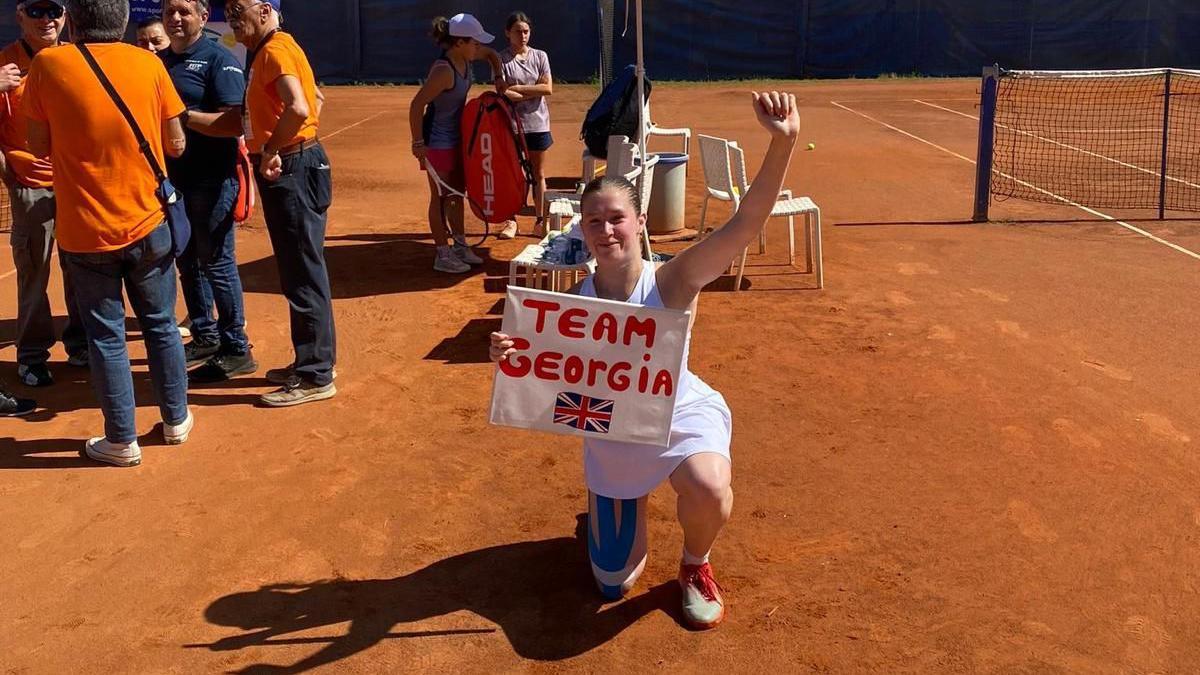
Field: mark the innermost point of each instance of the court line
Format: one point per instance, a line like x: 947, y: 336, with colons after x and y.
x: 351, y: 126
x: 906, y: 100
x: 1064, y: 145
x: 325, y: 137
x: 1087, y: 209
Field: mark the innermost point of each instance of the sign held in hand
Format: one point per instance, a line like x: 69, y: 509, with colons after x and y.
x: 589, y: 367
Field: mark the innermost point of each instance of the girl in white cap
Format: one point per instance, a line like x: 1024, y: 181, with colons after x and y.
x: 434, y: 120
x: 697, y: 459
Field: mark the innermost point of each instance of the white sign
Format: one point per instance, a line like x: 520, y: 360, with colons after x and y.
x: 589, y: 367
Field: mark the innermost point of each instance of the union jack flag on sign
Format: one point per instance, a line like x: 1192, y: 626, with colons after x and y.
x: 583, y: 412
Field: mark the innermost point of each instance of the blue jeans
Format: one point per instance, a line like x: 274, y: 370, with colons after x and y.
x: 146, y: 270
x: 208, y: 269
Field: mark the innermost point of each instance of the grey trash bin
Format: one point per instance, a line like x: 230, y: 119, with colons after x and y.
x: 665, y: 214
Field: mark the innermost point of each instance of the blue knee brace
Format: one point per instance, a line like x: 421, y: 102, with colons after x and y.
x: 613, y: 545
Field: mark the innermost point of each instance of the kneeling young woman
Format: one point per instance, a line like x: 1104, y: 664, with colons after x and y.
x: 697, y: 460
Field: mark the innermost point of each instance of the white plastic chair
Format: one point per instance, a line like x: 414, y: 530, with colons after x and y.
x: 531, y: 269
x: 623, y: 160
x: 725, y: 179
x: 589, y: 162
x: 718, y: 175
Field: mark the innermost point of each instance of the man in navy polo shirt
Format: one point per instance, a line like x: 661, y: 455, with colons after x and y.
x: 211, y: 82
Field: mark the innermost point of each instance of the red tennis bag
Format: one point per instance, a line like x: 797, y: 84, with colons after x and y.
x: 243, y: 208
x: 496, y: 160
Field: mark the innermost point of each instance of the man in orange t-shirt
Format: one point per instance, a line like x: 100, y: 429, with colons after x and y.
x: 112, y: 229
x: 283, y: 107
x: 31, y: 195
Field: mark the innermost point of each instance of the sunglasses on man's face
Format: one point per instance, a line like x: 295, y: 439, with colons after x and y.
x: 235, y: 12
x: 53, y: 12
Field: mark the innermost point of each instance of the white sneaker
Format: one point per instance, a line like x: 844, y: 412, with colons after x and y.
x: 465, y: 254
x: 448, y: 262
x: 117, y: 454
x: 509, y: 231
x: 177, y: 434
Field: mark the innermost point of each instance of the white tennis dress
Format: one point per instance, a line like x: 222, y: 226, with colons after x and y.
x: 701, y: 423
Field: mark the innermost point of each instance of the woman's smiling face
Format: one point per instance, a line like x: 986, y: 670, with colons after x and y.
x: 611, y: 225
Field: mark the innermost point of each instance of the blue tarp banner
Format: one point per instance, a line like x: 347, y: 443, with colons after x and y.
x: 387, y: 40
x: 144, y: 9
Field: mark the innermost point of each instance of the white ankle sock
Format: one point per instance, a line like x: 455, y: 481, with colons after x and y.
x: 689, y: 559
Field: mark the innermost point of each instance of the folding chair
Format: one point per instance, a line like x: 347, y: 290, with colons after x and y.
x: 725, y: 179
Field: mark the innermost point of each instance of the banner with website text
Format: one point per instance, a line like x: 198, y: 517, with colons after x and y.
x: 217, y: 29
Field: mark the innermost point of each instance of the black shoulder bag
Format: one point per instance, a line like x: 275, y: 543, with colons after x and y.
x: 172, y: 201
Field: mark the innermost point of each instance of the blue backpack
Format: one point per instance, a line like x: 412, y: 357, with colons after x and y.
x: 614, y: 113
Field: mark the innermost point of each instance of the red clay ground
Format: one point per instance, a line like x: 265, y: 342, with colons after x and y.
x: 973, y: 452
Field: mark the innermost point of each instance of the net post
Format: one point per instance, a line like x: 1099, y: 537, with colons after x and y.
x: 1162, y: 174
x: 987, y: 136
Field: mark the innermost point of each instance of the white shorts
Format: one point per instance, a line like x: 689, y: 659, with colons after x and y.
x: 701, y: 423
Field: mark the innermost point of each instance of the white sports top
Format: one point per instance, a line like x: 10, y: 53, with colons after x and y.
x: 701, y: 423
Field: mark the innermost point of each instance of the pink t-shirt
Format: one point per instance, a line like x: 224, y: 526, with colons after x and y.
x: 528, y: 69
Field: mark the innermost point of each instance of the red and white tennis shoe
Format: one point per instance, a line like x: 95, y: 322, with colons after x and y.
x: 703, y: 605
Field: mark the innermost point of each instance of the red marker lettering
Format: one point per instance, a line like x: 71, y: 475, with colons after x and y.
x: 595, y: 368
x: 569, y: 325
x: 542, y: 307
x: 573, y: 370
x: 643, y: 328
x: 517, y: 365
x: 605, y: 328
x: 545, y: 366
x: 617, y: 381
x: 663, y: 383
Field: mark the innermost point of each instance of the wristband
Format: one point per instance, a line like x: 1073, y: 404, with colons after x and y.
x: 418, y: 144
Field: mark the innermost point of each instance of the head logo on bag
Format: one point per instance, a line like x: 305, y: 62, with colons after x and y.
x: 497, y: 168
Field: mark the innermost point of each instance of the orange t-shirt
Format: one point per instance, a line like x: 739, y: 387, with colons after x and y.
x: 105, y: 188
x: 26, y: 169
x: 281, y: 56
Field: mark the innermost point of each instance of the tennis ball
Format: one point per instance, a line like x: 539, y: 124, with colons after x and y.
x: 812, y: 146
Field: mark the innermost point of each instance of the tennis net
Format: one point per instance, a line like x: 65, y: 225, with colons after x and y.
x: 1122, y: 139
x: 606, y: 19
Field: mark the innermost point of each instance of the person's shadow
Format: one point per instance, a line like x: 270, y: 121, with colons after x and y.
x: 540, y: 593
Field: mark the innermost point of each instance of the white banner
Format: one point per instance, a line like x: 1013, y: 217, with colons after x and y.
x: 589, y: 367
x: 217, y: 29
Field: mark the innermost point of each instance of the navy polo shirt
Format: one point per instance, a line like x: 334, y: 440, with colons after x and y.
x: 208, y: 77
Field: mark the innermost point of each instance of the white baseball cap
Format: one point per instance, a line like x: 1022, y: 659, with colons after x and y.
x: 465, y: 25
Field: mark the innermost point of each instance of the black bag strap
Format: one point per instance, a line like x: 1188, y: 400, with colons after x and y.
x: 252, y: 55
x: 143, y: 144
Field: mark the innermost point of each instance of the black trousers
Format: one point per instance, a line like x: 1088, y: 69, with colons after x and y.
x: 295, y: 209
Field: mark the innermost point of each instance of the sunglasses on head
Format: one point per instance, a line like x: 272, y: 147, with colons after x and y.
x: 44, y: 12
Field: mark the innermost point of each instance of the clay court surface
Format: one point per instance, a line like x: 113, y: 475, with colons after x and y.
x: 973, y: 452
